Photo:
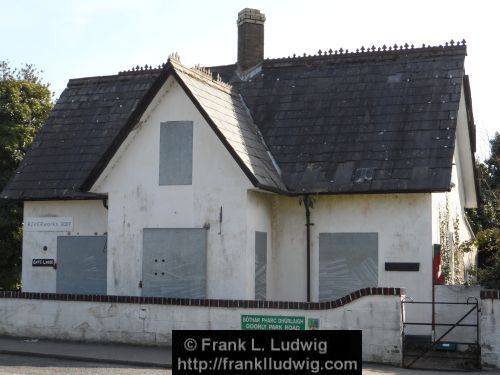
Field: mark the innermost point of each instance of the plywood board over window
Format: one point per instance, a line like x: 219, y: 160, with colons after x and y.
x: 347, y: 262
x: 176, y: 153
x: 81, y: 264
x: 260, y: 265
x: 174, y: 262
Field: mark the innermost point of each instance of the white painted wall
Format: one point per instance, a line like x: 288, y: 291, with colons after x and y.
x: 377, y: 316
x: 490, y: 333
x: 453, y: 313
x: 89, y: 219
x: 402, y: 221
x: 136, y: 201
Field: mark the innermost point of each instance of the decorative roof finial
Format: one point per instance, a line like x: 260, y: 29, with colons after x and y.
x: 175, y: 57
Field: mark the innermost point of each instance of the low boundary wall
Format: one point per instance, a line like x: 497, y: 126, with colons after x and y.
x: 150, y: 320
x: 489, y: 325
x: 489, y: 319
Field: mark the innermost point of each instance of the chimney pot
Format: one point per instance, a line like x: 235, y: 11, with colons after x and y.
x: 250, y: 38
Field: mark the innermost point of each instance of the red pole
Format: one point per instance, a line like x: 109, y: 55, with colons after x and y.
x: 436, y: 279
x: 434, y: 275
x: 433, y: 309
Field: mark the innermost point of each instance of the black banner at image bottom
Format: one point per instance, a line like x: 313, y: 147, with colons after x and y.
x: 266, y: 352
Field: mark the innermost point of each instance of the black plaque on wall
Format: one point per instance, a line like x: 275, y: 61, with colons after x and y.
x: 43, y: 262
x: 401, y: 266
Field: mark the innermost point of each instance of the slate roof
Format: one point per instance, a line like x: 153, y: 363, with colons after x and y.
x: 88, y: 116
x: 372, y: 122
x: 363, y: 122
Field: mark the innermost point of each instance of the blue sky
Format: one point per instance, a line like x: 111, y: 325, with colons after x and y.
x: 69, y: 39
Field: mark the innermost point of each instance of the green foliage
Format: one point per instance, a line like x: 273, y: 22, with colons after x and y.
x: 488, y: 243
x: 452, y: 254
x: 444, y: 240
x: 25, y: 104
x: 485, y: 220
x: 488, y: 214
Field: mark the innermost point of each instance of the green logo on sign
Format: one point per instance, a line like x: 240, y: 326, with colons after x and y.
x: 272, y: 323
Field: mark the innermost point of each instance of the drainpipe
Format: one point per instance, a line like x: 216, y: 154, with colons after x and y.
x: 307, y: 204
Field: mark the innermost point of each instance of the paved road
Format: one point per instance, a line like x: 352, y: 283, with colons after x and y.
x: 25, y: 365
x: 374, y: 369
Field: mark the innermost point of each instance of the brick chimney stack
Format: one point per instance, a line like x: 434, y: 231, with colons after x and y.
x: 250, y: 38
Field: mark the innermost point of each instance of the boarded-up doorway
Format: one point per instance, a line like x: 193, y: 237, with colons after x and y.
x: 81, y: 264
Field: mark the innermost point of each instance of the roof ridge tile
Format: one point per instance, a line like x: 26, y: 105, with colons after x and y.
x: 447, y: 48
x: 204, y: 75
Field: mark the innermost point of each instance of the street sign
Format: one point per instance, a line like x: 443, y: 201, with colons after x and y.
x: 272, y: 323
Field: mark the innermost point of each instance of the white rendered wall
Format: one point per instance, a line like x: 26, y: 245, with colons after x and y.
x: 377, y: 316
x: 136, y: 201
x: 403, y: 224
x: 490, y: 333
x: 453, y: 313
x: 89, y: 219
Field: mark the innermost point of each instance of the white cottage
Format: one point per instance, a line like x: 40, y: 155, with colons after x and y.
x: 298, y: 178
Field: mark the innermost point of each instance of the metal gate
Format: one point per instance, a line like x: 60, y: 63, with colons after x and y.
x: 451, y: 345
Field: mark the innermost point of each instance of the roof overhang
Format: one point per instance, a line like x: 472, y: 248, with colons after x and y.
x: 466, y: 147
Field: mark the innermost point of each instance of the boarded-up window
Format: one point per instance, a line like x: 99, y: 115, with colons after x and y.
x: 176, y: 153
x: 347, y: 262
x: 81, y: 265
x: 174, y: 262
x: 260, y: 265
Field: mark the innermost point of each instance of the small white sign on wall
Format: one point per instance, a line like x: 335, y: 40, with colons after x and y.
x: 48, y: 224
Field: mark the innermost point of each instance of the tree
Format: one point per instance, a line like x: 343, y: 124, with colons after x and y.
x: 485, y: 220
x: 25, y: 103
x: 488, y: 243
